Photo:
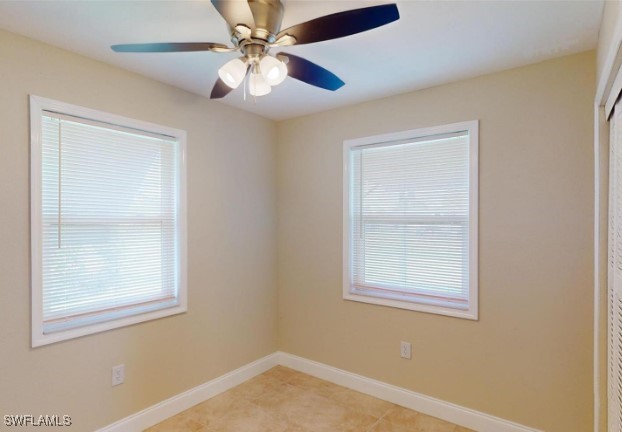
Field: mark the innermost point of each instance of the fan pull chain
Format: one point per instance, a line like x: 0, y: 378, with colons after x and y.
x: 244, y: 85
x: 249, y: 83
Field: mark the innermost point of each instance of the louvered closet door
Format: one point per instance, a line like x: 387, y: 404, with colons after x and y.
x: 615, y: 274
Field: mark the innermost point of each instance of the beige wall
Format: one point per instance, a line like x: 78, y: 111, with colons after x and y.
x: 231, y: 247
x: 529, y: 357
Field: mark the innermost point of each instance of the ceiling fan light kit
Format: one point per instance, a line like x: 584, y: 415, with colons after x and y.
x: 273, y: 70
x: 233, y: 72
x: 257, y: 85
x: 254, y: 42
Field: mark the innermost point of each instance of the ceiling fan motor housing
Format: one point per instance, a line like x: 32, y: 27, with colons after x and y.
x: 268, y: 15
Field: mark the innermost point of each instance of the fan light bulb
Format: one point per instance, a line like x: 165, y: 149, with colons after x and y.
x: 273, y: 70
x: 233, y: 72
x: 258, y: 85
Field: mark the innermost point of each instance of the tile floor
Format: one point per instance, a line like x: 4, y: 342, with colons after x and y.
x: 284, y: 400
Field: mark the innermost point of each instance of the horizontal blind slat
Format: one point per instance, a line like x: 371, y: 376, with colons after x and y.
x: 109, y: 210
x: 410, y: 217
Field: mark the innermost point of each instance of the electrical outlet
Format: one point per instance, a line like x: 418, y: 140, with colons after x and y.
x: 406, y: 350
x: 118, y: 374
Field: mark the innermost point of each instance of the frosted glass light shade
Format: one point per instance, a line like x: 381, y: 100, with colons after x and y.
x: 258, y: 85
x: 273, y: 70
x: 232, y: 73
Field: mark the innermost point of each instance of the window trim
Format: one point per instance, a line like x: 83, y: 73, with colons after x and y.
x: 37, y: 106
x: 349, y: 293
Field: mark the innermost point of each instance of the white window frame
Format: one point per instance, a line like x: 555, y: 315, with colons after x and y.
x: 397, y: 300
x: 37, y: 106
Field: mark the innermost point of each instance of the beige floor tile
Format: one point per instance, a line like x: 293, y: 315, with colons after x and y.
x: 307, y: 381
x: 292, y: 427
x: 178, y: 423
x: 212, y: 409
x: 425, y: 423
x: 272, y: 401
x: 344, y: 396
x: 257, y: 387
x: 284, y: 400
x: 416, y: 422
x: 281, y: 373
x: 385, y: 426
x: 244, y: 416
x: 310, y: 410
x: 400, y: 416
x: 356, y: 400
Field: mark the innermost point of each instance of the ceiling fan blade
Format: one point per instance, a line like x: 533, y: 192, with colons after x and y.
x: 342, y: 24
x: 268, y: 15
x: 234, y: 12
x: 172, y: 47
x: 220, y: 90
x: 310, y: 73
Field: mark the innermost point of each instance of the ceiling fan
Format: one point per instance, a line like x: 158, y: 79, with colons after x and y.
x: 255, y: 28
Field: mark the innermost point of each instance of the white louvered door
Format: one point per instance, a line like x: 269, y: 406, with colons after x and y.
x: 615, y: 275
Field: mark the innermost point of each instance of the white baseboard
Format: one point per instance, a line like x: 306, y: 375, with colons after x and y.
x: 425, y: 404
x: 161, y: 411
x: 444, y: 410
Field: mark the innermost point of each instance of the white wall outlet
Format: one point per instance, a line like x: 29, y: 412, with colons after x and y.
x: 406, y: 350
x: 118, y: 374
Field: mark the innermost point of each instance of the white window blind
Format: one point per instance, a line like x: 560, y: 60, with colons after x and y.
x: 410, y: 220
x: 109, y: 216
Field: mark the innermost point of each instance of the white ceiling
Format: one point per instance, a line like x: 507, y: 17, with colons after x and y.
x: 434, y: 42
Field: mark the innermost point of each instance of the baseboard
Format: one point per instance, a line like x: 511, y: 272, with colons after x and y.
x: 428, y: 405
x: 165, y: 409
x: 425, y: 404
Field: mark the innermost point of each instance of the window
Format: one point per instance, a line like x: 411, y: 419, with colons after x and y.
x: 107, y: 221
x: 410, y: 220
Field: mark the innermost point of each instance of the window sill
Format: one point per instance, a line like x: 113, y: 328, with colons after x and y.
x: 39, y: 338
x: 470, y: 313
